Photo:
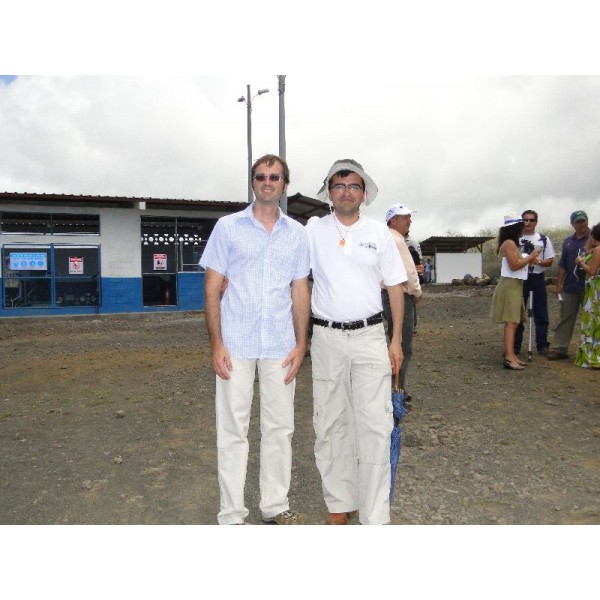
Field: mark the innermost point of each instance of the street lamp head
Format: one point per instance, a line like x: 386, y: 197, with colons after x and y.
x: 241, y: 99
x: 262, y: 91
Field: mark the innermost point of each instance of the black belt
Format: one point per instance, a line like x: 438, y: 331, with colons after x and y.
x: 374, y: 320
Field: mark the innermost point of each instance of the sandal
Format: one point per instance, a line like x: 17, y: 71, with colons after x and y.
x: 511, y: 365
x: 518, y: 360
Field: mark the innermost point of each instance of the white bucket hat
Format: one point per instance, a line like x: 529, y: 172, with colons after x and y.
x: 348, y: 164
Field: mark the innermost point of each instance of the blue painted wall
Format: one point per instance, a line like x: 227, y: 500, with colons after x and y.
x: 123, y: 295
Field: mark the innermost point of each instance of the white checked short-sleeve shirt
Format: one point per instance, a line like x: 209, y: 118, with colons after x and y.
x: 256, y: 309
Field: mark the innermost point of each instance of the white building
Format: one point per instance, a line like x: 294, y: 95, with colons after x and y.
x: 65, y: 254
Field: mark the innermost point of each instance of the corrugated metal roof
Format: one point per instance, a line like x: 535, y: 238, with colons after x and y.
x: 74, y: 199
x: 300, y: 207
x: 303, y: 208
x: 451, y: 244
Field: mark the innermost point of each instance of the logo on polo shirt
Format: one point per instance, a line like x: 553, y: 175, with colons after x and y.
x: 368, y: 245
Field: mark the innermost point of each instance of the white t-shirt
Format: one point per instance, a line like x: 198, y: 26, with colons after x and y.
x: 348, y: 277
x: 537, y: 242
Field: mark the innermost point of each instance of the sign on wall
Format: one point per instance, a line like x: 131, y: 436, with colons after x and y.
x: 28, y: 261
x: 160, y: 262
x: 75, y: 265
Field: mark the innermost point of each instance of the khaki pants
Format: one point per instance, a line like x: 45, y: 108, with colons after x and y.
x: 233, y: 403
x: 569, y: 309
x: 353, y: 420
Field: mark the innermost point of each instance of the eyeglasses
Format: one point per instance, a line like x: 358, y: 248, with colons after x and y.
x: 529, y: 220
x: 342, y: 187
x: 270, y: 177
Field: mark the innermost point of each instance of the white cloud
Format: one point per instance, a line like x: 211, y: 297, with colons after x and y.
x: 461, y: 150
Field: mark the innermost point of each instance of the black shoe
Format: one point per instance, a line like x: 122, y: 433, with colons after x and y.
x: 554, y: 355
x: 544, y: 351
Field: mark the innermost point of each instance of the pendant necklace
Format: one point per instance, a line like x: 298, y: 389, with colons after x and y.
x: 342, y: 241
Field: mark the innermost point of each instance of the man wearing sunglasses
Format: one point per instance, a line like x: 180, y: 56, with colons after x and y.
x: 536, y: 282
x: 351, y: 363
x: 260, y: 321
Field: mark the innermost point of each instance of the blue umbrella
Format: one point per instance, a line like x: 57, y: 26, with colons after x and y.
x: 399, y: 410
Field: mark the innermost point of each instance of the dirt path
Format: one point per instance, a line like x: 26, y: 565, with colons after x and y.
x: 110, y: 420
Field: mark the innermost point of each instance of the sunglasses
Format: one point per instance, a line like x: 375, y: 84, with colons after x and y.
x: 529, y: 220
x: 271, y: 177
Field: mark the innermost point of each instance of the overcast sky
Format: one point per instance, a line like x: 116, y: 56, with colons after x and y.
x: 462, y: 151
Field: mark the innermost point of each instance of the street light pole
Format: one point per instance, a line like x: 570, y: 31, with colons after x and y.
x: 248, y: 100
x: 281, y: 89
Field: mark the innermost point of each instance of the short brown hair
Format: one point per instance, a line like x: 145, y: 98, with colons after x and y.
x: 529, y: 212
x: 270, y: 160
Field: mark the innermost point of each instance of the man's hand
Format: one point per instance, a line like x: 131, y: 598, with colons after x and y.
x: 221, y: 361
x: 396, y: 356
x: 295, y: 359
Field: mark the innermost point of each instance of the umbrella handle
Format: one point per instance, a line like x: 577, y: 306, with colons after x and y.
x: 396, y: 386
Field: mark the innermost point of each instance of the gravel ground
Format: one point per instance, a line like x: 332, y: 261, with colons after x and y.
x: 110, y: 420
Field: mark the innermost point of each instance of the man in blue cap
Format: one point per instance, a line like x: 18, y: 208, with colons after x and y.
x: 570, y: 285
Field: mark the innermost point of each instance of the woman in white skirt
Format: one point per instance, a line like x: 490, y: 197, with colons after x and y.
x: 507, y: 301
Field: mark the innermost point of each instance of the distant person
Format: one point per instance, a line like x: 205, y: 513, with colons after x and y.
x: 350, y: 256
x: 398, y: 218
x: 588, y: 352
x: 428, y: 269
x: 261, y: 322
x: 570, y: 285
x: 415, y: 251
x: 536, y: 282
x: 507, y: 301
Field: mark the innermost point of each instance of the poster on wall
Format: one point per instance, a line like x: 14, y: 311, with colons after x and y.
x: 28, y: 261
x: 160, y: 262
x: 75, y: 265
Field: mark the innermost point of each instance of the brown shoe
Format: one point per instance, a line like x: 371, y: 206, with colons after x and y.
x: 554, y: 355
x: 287, y: 517
x: 340, y: 518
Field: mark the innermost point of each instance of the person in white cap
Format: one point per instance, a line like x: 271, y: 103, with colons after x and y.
x: 398, y: 219
x: 507, y: 301
x: 350, y: 256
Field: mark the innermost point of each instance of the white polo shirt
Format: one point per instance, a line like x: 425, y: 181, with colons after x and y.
x: 348, y: 277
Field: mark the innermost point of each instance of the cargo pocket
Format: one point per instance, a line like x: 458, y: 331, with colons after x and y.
x: 322, y: 445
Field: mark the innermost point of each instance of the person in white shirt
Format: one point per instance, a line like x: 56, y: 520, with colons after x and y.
x: 536, y: 283
x: 350, y: 256
x: 398, y: 219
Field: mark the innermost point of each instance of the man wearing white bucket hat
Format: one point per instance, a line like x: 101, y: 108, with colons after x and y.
x: 351, y: 363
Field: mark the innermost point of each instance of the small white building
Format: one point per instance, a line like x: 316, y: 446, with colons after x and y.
x: 451, y: 259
